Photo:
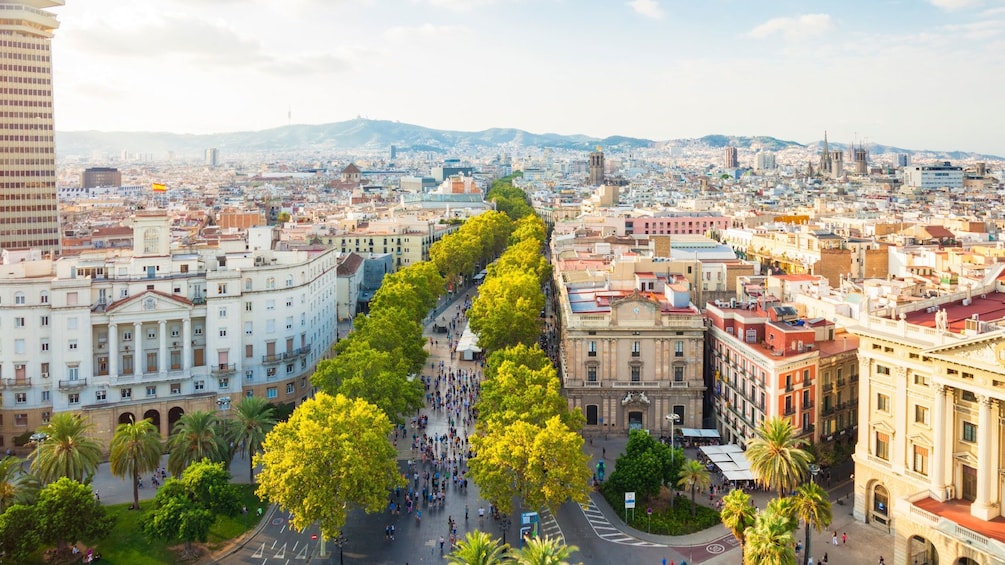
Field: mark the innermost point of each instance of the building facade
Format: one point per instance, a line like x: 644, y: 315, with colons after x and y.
x: 155, y: 333
x: 934, y: 177
x: 28, y: 212
x: 928, y: 464
x: 631, y: 358
x: 95, y: 177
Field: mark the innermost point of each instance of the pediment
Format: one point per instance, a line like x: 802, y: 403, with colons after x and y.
x: 149, y: 301
x: 883, y: 427
x: 966, y: 457
x: 921, y: 439
x: 983, y: 352
x: 636, y: 309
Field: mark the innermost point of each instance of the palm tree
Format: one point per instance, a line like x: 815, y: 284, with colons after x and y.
x: 738, y: 514
x: 136, y: 449
x: 810, y: 504
x: 477, y: 548
x: 252, y: 422
x: 66, y: 450
x: 776, y: 456
x: 770, y: 540
x: 544, y: 551
x: 693, y: 475
x: 16, y: 486
x: 196, y: 435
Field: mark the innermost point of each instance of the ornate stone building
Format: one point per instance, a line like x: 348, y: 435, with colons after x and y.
x: 632, y: 356
x: 929, y: 463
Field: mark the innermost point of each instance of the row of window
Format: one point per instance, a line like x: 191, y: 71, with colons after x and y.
x: 591, y: 349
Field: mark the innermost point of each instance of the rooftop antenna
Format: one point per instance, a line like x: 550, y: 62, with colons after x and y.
x: 289, y: 115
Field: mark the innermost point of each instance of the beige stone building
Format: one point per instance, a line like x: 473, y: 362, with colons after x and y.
x: 632, y: 356
x: 929, y: 462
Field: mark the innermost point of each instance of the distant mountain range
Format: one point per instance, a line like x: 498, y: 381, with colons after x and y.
x: 364, y: 134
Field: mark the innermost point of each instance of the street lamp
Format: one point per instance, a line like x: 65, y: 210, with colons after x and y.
x: 340, y: 541
x: 504, y: 524
x: 672, y: 418
x: 814, y: 470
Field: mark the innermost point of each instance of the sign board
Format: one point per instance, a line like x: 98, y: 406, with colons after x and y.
x: 629, y: 500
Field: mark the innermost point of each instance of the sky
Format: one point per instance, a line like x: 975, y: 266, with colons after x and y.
x: 918, y: 74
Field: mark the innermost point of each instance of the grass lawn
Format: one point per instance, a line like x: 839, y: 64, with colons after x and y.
x: 665, y: 520
x: 128, y: 545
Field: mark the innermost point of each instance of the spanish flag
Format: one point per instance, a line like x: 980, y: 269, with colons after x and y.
x: 158, y: 187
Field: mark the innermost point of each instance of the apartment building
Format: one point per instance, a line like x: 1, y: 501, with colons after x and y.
x: 154, y: 332
x: 929, y: 461
x: 407, y: 240
x: 767, y: 362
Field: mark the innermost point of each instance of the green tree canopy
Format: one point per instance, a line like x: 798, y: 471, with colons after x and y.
x: 332, y: 453
x: 68, y: 513
x: 528, y: 228
x: 185, y: 509
x: 16, y: 486
x: 390, y: 330
x: 812, y: 505
x: 18, y: 532
x: 505, y: 312
x: 770, y: 540
x: 738, y: 514
x: 196, y: 436
x: 517, y: 392
x: 532, y: 357
x: 455, y: 255
x: 67, y: 450
x: 544, y: 465
x: 522, y: 257
x: 135, y: 450
x: 378, y: 377
x: 776, y: 456
x: 544, y: 551
x: 693, y: 476
x: 645, y: 466
x: 477, y: 548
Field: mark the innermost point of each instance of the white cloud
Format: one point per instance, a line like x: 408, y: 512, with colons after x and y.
x: 405, y: 33
x: 794, y: 29
x: 647, y: 8
x: 955, y: 4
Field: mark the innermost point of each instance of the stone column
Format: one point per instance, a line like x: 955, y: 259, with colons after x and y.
x: 139, y: 363
x: 186, y: 336
x: 898, y: 454
x: 162, y: 362
x: 986, y: 468
x: 937, y: 487
x: 113, y: 351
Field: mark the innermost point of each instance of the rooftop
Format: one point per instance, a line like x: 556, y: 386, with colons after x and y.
x: 987, y: 307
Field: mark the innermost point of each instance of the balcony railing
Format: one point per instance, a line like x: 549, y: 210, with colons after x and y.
x: 272, y: 358
x: 24, y: 382
x: 789, y: 387
x: 678, y: 384
x: 635, y: 384
x: 72, y: 384
x: 223, y: 369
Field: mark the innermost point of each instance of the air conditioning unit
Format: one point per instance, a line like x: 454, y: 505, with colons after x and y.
x: 45, y: 375
x: 127, y: 348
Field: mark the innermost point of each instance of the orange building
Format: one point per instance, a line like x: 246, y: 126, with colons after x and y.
x: 766, y: 362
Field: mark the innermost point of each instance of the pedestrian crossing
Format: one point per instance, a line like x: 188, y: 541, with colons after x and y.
x: 549, y: 526
x: 607, y: 532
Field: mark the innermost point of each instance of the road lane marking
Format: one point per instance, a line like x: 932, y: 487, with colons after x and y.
x: 281, y: 554
x: 607, y: 531
x: 260, y: 553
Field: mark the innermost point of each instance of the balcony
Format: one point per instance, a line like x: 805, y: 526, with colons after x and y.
x: 635, y: 384
x: 678, y: 384
x: 15, y: 383
x: 841, y: 382
x: 223, y: 370
x: 72, y: 384
x: 789, y: 387
x: 272, y: 358
x: 808, y: 429
x: 953, y: 520
x: 807, y: 383
x: 807, y: 405
x: 789, y: 410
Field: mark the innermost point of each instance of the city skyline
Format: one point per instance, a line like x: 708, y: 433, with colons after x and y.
x: 885, y: 71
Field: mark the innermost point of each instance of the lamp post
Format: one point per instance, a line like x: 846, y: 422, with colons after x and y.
x: 504, y: 525
x: 672, y: 418
x: 340, y: 541
x: 814, y: 470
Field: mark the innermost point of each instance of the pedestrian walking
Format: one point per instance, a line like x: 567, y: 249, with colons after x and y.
x: 844, y: 538
x: 834, y: 538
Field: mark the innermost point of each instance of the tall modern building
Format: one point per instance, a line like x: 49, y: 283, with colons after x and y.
x: 95, y: 177
x: 212, y: 157
x: 28, y: 214
x: 729, y: 158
